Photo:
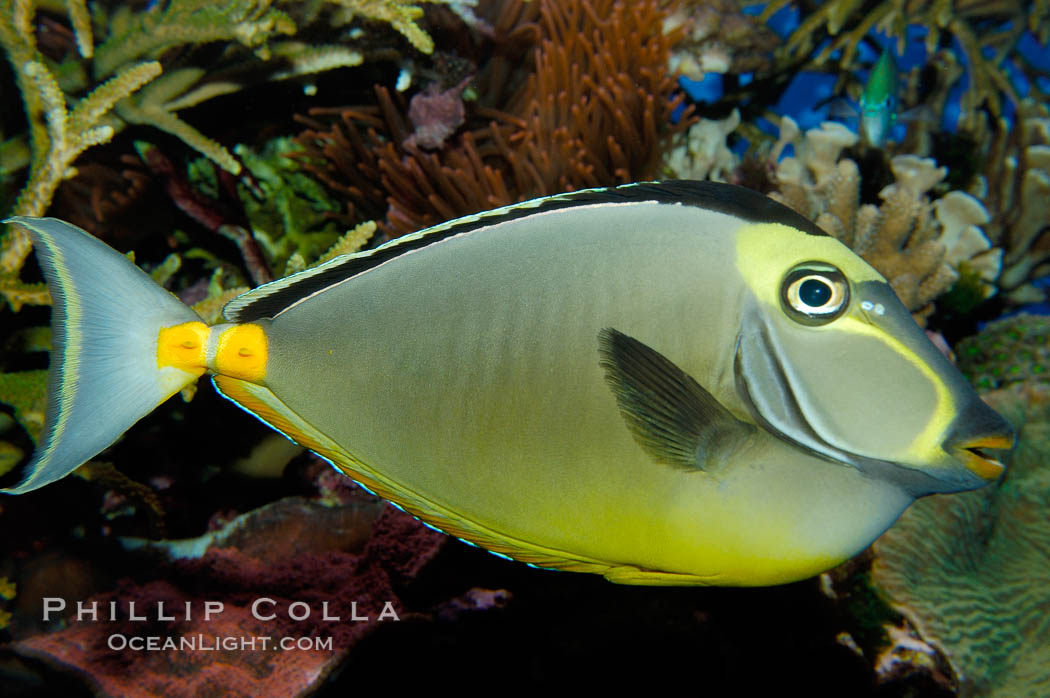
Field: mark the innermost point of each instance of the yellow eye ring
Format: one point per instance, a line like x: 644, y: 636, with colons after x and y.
x: 814, y: 293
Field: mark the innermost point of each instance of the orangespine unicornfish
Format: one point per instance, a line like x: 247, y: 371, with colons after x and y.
x: 663, y: 383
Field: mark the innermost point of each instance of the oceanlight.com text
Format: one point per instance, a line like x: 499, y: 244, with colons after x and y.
x: 209, y: 643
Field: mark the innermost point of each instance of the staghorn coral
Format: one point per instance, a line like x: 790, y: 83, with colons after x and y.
x: 987, y: 32
x: 120, y: 81
x: 1011, y: 350
x: 915, y: 243
x: 971, y: 571
x: 57, y: 134
x: 594, y: 110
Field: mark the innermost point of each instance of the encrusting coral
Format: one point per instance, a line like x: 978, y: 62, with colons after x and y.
x: 916, y: 243
x: 120, y: 80
x: 971, y: 571
x: 594, y: 110
x: 1011, y: 350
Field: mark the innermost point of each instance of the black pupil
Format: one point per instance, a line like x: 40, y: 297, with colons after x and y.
x: 814, y: 293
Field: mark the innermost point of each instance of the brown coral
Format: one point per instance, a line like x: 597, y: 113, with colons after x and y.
x: 594, y: 110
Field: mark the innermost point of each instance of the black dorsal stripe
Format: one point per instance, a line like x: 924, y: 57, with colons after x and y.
x: 748, y: 205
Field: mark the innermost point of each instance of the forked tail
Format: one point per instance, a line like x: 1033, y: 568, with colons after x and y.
x: 106, y: 372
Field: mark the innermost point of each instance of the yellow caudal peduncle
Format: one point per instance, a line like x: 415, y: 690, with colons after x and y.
x: 241, y: 352
x: 238, y: 351
x: 184, y: 347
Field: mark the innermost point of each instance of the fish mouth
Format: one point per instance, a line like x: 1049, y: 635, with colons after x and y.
x: 976, y: 454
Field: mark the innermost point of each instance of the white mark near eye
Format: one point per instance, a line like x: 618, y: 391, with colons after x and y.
x: 867, y: 305
x: 880, y: 309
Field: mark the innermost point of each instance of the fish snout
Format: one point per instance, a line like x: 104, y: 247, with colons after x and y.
x: 981, y: 440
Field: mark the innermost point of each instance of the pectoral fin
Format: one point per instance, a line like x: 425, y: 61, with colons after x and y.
x: 669, y: 414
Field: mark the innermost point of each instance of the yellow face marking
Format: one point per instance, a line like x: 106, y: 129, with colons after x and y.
x: 926, y: 446
x: 184, y: 346
x: 766, y: 251
x: 242, y: 353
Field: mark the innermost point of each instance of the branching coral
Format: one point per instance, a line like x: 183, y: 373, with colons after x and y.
x: 594, y: 110
x: 1016, y: 186
x: 971, y: 571
x: 986, y: 30
x: 134, y: 91
x: 58, y: 135
x: 915, y: 243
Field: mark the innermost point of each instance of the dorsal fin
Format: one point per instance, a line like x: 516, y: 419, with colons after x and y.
x: 269, y: 300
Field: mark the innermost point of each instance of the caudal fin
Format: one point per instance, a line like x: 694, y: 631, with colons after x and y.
x: 104, y: 376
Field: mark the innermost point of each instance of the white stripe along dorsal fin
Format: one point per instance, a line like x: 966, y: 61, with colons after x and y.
x: 269, y: 300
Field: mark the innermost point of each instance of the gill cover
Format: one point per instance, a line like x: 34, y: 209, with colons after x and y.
x: 831, y: 360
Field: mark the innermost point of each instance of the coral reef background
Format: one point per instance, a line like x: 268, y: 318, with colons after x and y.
x: 225, y: 144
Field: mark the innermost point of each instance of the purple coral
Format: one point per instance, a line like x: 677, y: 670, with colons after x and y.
x: 436, y: 115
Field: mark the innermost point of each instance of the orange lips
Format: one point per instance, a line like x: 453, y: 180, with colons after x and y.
x: 982, y: 464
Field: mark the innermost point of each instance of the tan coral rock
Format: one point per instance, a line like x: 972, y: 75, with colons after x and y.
x: 917, y: 175
x: 823, y: 146
x: 960, y: 215
x: 843, y: 198
x: 702, y: 152
x: 907, y: 238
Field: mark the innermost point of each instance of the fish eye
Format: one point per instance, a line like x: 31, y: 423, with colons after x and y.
x: 814, y: 293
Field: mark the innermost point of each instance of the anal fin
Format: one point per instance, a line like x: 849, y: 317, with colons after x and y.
x: 626, y: 574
